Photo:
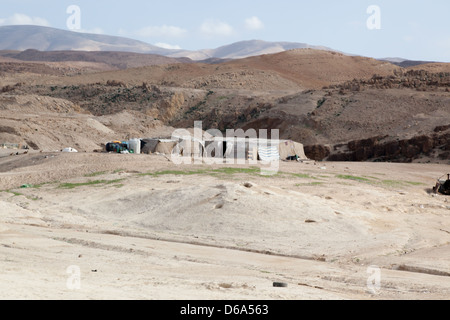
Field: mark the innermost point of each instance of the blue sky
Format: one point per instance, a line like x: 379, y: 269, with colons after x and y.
x: 413, y: 29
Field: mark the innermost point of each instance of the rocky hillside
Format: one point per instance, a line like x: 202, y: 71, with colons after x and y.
x: 339, y: 107
x: 115, y: 60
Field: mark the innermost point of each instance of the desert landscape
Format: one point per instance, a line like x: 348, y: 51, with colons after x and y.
x: 359, y: 220
x: 139, y: 227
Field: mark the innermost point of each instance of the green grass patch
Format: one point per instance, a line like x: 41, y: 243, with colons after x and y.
x: 14, y: 193
x: 37, y: 186
x: 96, y: 174
x: 230, y: 171
x: 172, y: 173
x: 89, y: 183
x: 354, y: 178
x: 252, y: 170
x: 264, y: 271
x: 379, y: 182
x: 400, y: 183
x: 311, y: 184
x: 374, y: 178
x: 224, y: 171
x: 414, y: 183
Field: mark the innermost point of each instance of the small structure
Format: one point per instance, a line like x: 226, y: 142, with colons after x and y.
x: 69, y: 150
x: 215, y: 147
x: 443, y: 186
x: 132, y: 146
x: 117, y: 146
x: 163, y: 146
x: 256, y: 149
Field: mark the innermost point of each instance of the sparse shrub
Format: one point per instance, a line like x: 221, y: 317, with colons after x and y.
x: 114, y: 83
x: 321, y: 102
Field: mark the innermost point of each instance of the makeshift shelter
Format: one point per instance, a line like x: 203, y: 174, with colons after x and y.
x: 163, y: 146
x: 190, y: 148
x: 148, y: 146
x: 166, y: 146
x: 290, y: 149
x: 70, y: 150
x: 238, y: 148
x: 218, y: 147
x: 252, y: 149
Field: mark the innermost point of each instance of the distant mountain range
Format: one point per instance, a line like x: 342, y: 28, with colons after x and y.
x: 245, y: 49
x: 50, y: 39
x: 405, y: 63
x: 21, y: 38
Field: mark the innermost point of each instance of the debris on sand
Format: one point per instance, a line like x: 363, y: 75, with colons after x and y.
x: 442, y: 186
x: 280, y: 285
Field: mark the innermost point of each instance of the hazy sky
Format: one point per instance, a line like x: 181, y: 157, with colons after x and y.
x: 412, y: 29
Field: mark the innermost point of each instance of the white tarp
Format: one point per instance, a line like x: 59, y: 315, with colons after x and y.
x: 71, y: 150
x: 268, y: 153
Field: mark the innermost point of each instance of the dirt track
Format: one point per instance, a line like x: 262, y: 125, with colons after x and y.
x: 220, y: 232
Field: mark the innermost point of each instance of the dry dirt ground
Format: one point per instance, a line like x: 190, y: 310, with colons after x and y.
x: 141, y: 227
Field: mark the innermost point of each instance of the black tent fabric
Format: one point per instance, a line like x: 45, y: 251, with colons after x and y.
x: 148, y: 146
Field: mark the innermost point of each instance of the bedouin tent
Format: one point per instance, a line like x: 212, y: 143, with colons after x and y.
x: 189, y: 148
x: 148, y: 146
x: 288, y: 149
x: 163, y: 146
x: 238, y: 148
x: 267, y: 150
x: 166, y: 146
x: 231, y: 148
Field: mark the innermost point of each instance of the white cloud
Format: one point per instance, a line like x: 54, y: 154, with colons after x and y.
x: 160, y: 31
x: 23, y: 19
x: 254, y: 23
x: 167, y: 46
x: 216, y: 28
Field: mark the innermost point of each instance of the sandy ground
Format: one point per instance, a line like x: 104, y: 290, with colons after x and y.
x: 327, y: 230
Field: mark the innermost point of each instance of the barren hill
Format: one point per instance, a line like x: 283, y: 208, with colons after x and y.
x: 50, y: 39
x: 432, y: 67
x: 116, y: 60
x: 50, y: 124
x: 244, y: 49
x: 316, y: 68
x: 287, y: 71
x: 340, y: 107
